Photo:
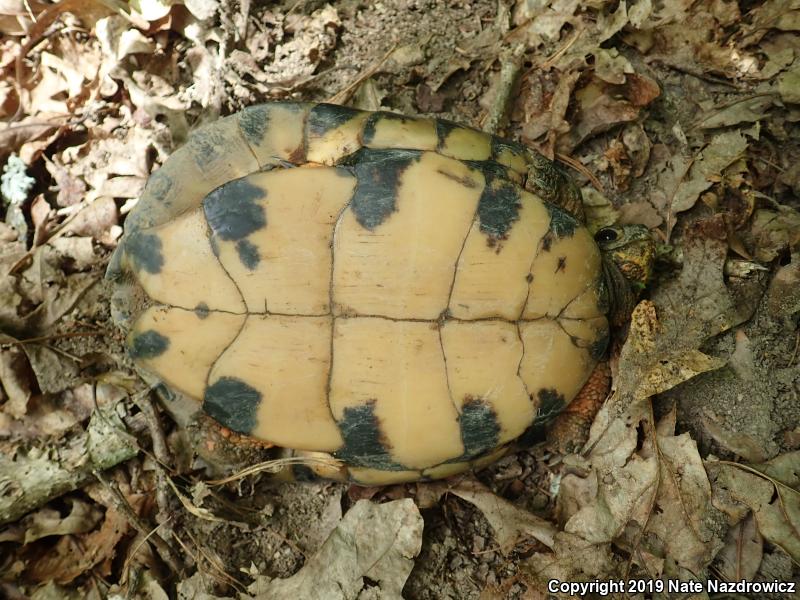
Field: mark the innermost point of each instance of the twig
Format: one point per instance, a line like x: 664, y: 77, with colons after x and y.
x: 55, y: 336
x: 580, y: 168
x: 161, y: 453
x: 29, y: 480
x: 510, y: 70
x: 344, y: 95
x: 165, y: 551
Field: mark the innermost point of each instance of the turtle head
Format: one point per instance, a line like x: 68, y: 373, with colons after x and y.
x: 628, y: 253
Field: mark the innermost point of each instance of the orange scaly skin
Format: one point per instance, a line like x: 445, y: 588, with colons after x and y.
x: 570, y: 430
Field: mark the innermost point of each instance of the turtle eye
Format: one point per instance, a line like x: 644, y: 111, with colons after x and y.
x: 606, y: 234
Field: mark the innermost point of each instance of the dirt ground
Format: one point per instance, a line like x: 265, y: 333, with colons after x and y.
x: 682, y: 116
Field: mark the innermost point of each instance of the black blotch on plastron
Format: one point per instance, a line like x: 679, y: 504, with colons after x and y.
x: 144, y: 252
x: 480, y: 429
x: 597, y: 349
x: 232, y: 210
x: 498, y: 208
x: 201, y: 310
x: 562, y: 264
x: 254, y: 122
x: 248, y: 254
x: 547, y: 241
x: 562, y: 224
x: 364, y: 442
x: 378, y: 174
x: 551, y: 404
x: 232, y: 403
x: 148, y: 344
x: 325, y: 117
x: 375, y: 118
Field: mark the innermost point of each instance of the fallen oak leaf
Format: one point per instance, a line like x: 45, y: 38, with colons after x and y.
x: 694, y: 177
x: 375, y: 541
x: 510, y: 523
x: 744, y: 548
x: 774, y: 503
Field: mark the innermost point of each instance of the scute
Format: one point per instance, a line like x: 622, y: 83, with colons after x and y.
x: 403, y: 268
x: 371, y: 287
x: 181, y: 345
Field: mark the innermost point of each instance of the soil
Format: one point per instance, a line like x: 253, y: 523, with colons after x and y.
x: 747, y: 409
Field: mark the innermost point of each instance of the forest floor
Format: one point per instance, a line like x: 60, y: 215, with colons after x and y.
x: 683, y: 116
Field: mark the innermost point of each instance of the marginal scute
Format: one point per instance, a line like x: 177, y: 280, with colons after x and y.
x: 212, y: 156
x: 462, y: 142
x: 390, y: 130
x: 403, y: 268
x: 282, y: 139
x: 447, y: 469
x: 510, y: 154
x: 195, y: 341
x: 375, y: 477
x: 490, y: 457
x: 333, y: 132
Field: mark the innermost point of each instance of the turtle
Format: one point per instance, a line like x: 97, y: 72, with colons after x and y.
x: 407, y: 298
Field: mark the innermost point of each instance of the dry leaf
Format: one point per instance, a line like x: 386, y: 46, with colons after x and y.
x: 681, y: 516
x: 82, y: 517
x: 773, y: 232
x: 375, y: 541
x: 774, y: 497
x: 17, y: 380
x: 697, y: 176
x: 747, y: 110
x: 511, y: 525
x: 741, y: 556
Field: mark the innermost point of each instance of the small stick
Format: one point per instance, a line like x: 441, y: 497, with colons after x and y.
x: 164, y: 550
x: 344, y: 95
x: 162, y: 455
x: 496, y: 118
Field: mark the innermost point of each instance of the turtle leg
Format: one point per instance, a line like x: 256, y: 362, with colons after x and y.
x: 570, y: 430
